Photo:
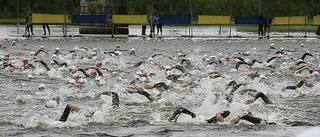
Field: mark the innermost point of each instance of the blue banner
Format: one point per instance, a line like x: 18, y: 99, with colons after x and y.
x: 175, y: 19
x: 251, y: 20
x: 89, y: 19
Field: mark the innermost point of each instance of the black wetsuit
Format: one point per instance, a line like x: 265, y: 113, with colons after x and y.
x: 179, y: 111
x: 174, y: 78
x: 251, y: 92
x: 161, y: 85
x: 254, y: 93
x: 224, y: 114
x: 299, y: 85
x: 65, y: 114
x: 234, y: 86
x: 115, y: 98
x: 146, y: 94
x: 45, y: 65
x: 40, y: 50
x: 254, y: 120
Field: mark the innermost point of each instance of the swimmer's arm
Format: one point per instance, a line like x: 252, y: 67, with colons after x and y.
x: 147, y: 86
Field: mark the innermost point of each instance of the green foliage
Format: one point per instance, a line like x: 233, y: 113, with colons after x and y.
x: 207, y: 7
x: 95, y: 7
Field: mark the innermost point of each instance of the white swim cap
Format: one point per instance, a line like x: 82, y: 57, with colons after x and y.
x: 138, y: 72
x: 32, y: 53
x: 98, y: 78
x: 57, y: 48
x: 42, y: 86
x: 281, y: 48
x: 54, y: 56
x: 41, y: 46
x: 93, y: 53
x: 166, y: 67
x: 132, y: 49
x: 30, y: 76
x: 271, y: 44
x: 143, y: 79
x: 136, y: 76
x: 72, y: 81
x: 241, y: 79
x: 169, y: 72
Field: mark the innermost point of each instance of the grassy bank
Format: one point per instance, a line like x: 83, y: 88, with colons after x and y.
x: 11, y: 21
x: 280, y: 28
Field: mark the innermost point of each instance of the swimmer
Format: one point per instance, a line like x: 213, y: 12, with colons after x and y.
x: 133, y: 52
x: 254, y: 61
x: 216, y: 74
x: 253, y: 74
x: 234, y: 86
x: 140, y: 90
x: 307, y: 67
x: 55, y: 62
x: 57, y: 51
x: 306, y: 54
x: 115, y: 98
x: 254, y: 93
x: 40, y: 50
x: 67, y: 110
x: 248, y: 117
x: 219, y: 117
x: 161, y: 86
x: 43, y: 64
x: 298, y: 86
x: 180, y: 110
x: 26, y: 65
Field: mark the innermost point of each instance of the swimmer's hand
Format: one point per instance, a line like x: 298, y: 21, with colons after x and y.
x: 244, y: 83
x: 96, y: 96
x: 74, y: 108
x: 309, y: 85
x: 250, y: 101
x: 131, y: 90
x: 219, y: 117
x: 235, y: 121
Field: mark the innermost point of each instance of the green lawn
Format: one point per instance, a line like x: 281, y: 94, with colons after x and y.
x: 11, y: 21
x: 280, y: 28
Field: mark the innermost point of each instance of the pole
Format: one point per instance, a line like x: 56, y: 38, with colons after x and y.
x: 113, y: 5
x: 191, y: 27
x: 18, y: 17
x: 65, y: 19
x: 269, y: 18
x: 230, y: 16
x: 151, y: 21
x: 305, y: 21
x: 220, y: 14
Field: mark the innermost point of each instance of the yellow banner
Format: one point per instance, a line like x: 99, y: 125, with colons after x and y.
x: 130, y: 19
x: 295, y: 20
x: 49, y: 18
x: 214, y: 20
x: 316, y: 20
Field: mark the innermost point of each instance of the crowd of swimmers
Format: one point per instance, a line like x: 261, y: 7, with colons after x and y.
x: 140, y: 84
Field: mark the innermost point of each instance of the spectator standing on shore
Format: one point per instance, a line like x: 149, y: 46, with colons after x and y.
x: 159, y: 25
x: 260, y: 25
x: 29, y: 25
x: 267, y: 26
x: 152, y: 22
